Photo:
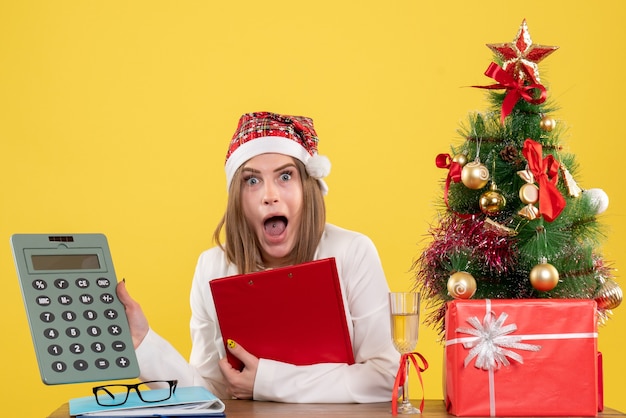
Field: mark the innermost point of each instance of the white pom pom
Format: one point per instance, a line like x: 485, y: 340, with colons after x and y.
x: 598, y: 198
x: 318, y: 166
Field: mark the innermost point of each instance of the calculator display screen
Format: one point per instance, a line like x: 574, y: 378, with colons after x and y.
x: 65, y: 262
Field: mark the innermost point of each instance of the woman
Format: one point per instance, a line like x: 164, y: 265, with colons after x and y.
x: 276, y: 217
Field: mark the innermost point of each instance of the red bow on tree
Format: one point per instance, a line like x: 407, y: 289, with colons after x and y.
x: 516, y: 89
x: 454, y: 173
x: 546, y: 171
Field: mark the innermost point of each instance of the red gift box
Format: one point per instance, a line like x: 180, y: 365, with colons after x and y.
x: 530, y: 357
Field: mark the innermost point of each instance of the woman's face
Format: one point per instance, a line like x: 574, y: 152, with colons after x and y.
x: 271, y: 197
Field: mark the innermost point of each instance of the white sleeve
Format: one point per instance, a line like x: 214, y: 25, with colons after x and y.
x: 159, y: 360
x: 207, y: 345
x: 371, y: 378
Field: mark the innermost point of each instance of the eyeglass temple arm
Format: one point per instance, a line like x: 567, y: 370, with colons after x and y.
x: 106, y: 390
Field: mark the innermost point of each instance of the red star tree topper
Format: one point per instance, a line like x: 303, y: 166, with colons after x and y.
x: 520, y: 57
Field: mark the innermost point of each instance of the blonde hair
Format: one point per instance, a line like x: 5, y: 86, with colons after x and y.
x: 241, y: 245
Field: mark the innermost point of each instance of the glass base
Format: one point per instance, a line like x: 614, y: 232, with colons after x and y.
x: 407, y: 409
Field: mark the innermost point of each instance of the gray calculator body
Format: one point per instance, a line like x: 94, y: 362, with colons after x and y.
x: 79, y: 328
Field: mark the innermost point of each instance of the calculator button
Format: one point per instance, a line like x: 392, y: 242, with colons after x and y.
x: 122, y: 362
x: 43, y: 301
x: 115, y: 329
x: 107, y: 298
x: 118, y: 345
x: 46, y: 317
x: 68, y: 316
x: 86, y: 299
x: 103, y: 282
x: 90, y: 315
x: 77, y: 348
x: 61, y: 284
x: 97, y: 347
x: 110, y: 313
x: 51, y: 333
x: 102, y: 363
x: 94, y: 331
x: 65, y: 300
x: 59, y: 366
x: 82, y: 283
x: 40, y: 284
x: 55, y: 350
x: 72, y: 332
x: 81, y: 365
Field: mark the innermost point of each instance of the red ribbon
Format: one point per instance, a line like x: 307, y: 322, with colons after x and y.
x: 546, y: 171
x: 445, y: 161
x: 454, y: 173
x: 516, y: 89
x: 401, y: 375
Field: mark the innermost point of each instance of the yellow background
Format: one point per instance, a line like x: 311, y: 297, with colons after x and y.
x: 115, y: 117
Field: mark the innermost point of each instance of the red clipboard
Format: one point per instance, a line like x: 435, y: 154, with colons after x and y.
x: 290, y: 314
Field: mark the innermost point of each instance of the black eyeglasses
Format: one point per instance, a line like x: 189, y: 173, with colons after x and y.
x: 114, y: 395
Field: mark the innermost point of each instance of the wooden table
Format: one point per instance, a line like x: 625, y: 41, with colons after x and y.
x: 240, y: 409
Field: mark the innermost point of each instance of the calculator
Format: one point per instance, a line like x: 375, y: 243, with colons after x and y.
x: 78, y: 326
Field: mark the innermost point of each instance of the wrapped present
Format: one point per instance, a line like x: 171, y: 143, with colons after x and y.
x: 600, y: 384
x: 530, y: 357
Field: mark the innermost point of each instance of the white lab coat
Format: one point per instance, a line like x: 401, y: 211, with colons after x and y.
x: 365, y: 291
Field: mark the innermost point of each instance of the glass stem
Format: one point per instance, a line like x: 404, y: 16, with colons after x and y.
x: 405, y: 386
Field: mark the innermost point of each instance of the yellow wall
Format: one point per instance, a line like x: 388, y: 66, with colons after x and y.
x: 115, y: 116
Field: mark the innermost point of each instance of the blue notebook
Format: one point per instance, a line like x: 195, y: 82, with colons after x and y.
x: 191, y: 401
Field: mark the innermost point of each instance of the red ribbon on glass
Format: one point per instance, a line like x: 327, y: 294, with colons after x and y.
x: 516, y: 89
x: 401, y: 375
x: 546, y: 171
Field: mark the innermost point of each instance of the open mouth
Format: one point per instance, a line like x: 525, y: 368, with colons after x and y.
x: 275, y: 225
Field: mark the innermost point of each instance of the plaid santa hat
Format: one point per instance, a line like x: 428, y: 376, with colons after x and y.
x: 265, y: 132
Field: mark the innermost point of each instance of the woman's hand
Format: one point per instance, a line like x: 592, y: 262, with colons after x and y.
x: 240, y: 383
x: 136, y: 319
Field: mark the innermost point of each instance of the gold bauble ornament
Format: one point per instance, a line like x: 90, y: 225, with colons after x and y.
x: 547, y: 123
x: 474, y: 175
x: 609, y: 295
x: 460, y: 159
x: 461, y: 285
x: 544, y: 277
x: 492, y: 202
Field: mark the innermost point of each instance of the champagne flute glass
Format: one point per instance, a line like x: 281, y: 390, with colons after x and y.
x: 404, y: 311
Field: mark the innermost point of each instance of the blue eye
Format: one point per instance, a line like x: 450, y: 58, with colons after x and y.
x: 286, y: 176
x: 251, y: 180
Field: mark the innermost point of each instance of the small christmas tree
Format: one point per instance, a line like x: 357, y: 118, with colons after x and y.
x: 514, y: 224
